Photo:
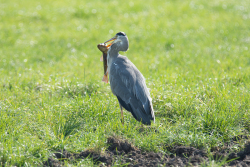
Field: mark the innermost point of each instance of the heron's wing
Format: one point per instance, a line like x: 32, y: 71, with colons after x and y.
x: 142, y: 93
x: 128, y: 84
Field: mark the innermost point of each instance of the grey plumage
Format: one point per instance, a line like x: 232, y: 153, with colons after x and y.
x: 127, y: 83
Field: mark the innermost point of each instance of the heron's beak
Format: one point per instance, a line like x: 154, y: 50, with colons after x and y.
x: 110, y: 41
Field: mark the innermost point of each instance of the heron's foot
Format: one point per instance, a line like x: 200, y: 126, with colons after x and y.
x: 122, y: 121
x: 146, y: 129
x: 122, y: 117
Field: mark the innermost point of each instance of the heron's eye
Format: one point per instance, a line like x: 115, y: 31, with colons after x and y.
x: 121, y: 34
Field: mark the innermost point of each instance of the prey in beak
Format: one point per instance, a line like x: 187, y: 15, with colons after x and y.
x: 107, y: 44
x: 104, y: 47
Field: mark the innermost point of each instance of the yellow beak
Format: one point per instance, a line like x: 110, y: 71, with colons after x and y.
x: 110, y: 41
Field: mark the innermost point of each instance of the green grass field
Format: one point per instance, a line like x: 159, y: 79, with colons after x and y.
x: 193, y: 54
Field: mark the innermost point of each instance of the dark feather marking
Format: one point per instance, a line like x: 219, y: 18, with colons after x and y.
x: 126, y: 106
x: 121, y: 34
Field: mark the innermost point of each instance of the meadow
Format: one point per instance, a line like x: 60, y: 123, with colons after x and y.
x: 194, y: 55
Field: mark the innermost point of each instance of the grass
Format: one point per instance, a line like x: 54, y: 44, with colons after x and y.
x: 193, y: 54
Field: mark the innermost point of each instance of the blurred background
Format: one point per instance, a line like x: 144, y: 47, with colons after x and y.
x: 60, y: 37
x: 194, y: 55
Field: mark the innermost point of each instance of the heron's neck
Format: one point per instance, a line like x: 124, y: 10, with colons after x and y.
x: 112, y: 55
x: 113, y: 51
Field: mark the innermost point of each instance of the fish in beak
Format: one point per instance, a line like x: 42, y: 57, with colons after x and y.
x: 106, y: 44
x: 103, y: 47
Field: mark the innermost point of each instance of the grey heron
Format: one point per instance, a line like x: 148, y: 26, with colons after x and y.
x: 127, y: 83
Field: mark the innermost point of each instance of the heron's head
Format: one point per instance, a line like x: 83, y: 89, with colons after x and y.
x: 118, y: 42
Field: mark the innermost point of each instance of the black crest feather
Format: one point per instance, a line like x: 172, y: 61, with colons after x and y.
x: 121, y: 34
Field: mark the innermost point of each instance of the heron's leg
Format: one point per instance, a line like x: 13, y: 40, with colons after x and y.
x: 122, y: 114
